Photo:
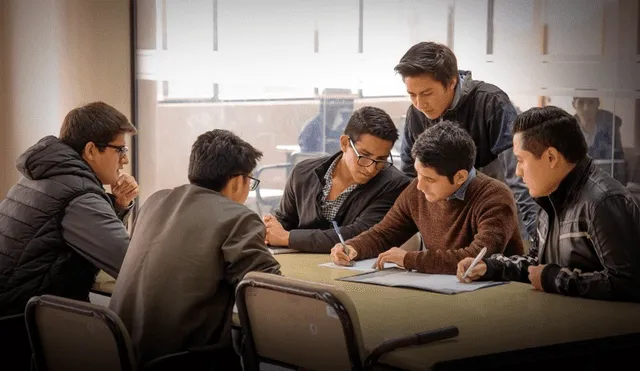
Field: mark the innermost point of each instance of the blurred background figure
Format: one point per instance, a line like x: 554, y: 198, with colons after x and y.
x: 322, y: 132
x: 601, y: 129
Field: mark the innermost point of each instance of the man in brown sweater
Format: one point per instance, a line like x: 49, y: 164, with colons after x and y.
x: 457, y: 210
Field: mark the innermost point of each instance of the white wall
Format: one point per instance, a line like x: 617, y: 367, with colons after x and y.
x: 56, y: 55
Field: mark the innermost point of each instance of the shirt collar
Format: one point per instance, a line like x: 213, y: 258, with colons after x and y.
x: 463, y: 189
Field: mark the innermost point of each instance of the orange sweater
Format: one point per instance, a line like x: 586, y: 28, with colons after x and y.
x: 451, y: 229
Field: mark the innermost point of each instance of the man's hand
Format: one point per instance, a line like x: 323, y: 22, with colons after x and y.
x: 276, y: 235
x: 339, y: 257
x: 478, y: 271
x: 535, y: 276
x: 393, y: 255
x: 125, y: 190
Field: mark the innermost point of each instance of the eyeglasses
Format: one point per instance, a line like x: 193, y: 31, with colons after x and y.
x: 366, y: 161
x: 122, y: 150
x: 253, y: 182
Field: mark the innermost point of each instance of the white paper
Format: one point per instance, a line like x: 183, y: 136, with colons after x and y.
x: 361, y: 265
x: 443, y: 283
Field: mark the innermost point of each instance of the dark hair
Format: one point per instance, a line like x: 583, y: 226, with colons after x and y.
x: 219, y: 155
x: 551, y: 126
x: 430, y: 58
x: 587, y: 98
x: 95, y: 122
x: 373, y: 121
x: 446, y: 148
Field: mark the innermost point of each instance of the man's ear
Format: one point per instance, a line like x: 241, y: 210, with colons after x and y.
x: 89, y: 151
x: 552, y: 156
x: 453, y: 82
x: 344, y: 142
x: 460, y: 177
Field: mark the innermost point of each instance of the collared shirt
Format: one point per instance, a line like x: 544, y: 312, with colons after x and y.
x: 463, y: 189
x: 329, y: 208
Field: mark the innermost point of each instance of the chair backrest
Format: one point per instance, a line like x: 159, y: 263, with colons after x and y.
x: 298, y: 323
x: 68, y: 334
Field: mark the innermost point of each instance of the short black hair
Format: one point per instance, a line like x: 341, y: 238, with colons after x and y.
x: 219, y: 155
x: 373, y: 121
x: 430, y: 58
x: 551, y: 126
x: 446, y: 148
x: 95, y: 122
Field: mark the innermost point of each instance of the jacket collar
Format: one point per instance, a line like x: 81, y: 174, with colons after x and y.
x: 571, y: 185
x: 322, y: 169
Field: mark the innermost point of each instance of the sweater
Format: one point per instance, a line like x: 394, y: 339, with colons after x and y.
x: 451, y: 229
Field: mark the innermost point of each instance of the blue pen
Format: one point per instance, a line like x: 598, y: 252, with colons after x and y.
x: 346, y: 249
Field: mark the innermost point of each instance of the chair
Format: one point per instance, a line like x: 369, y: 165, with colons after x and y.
x: 296, y: 323
x: 67, y: 334
x: 268, y: 198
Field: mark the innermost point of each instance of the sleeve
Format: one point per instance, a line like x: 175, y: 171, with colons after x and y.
x: 615, y: 236
x: 501, y: 142
x: 91, y: 227
x: 527, y: 207
x: 287, y: 212
x: 396, y: 228
x: 495, y: 217
x: 409, y: 135
x: 244, y: 249
x: 321, y: 241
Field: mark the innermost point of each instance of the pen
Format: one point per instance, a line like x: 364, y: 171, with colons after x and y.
x: 475, y: 262
x: 344, y: 245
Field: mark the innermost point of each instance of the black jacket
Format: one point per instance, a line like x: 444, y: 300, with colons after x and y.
x: 588, y: 237
x: 299, y: 210
x: 34, y: 258
x: 487, y: 114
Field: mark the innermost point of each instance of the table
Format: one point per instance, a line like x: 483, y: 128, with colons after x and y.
x: 510, y: 317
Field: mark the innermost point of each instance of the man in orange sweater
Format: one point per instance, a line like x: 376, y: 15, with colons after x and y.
x: 456, y: 209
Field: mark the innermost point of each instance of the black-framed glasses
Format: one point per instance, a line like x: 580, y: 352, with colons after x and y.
x: 122, y: 150
x: 253, y: 182
x: 366, y: 161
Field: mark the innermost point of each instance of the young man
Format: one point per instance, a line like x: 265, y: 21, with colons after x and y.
x: 588, y: 224
x: 190, y: 246
x: 438, y: 91
x: 457, y: 210
x: 355, y: 187
x: 599, y: 128
x: 58, y: 226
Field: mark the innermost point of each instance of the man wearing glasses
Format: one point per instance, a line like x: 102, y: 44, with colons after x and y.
x: 58, y: 226
x: 190, y: 247
x: 457, y: 209
x: 354, y: 187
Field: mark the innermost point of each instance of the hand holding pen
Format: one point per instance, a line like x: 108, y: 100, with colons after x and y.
x: 341, y: 254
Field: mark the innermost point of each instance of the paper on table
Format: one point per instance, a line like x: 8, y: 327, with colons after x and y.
x: 443, y: 283
x: 361, y: 265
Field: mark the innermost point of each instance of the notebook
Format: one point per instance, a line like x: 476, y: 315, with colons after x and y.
x: 281, y: 250
x: 441, y: 283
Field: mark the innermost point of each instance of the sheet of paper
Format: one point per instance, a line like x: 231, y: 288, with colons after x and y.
x: 361, y: 265
x: 443, y: 283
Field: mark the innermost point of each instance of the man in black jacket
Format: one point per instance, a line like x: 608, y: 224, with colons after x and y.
x: 438, y: 91
x: 588, y: 224
x: 58, y: 226
x: 355, y: 187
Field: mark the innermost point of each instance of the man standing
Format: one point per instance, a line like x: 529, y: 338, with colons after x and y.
x: 438, y: 91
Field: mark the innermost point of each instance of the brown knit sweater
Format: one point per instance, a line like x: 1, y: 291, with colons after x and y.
x: 451, y: 229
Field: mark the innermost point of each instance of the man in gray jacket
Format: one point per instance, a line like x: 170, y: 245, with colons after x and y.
x: 58, y: 226
x: 190, y: 247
